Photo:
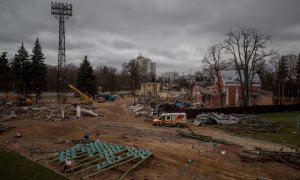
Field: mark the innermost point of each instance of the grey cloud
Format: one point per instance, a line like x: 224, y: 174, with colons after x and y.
x: 123, y: 45
x: 173, y: 33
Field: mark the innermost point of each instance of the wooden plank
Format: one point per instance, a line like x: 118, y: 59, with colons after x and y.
x: 88, y: 168
x: 123, y: 162
x: 132, y: 168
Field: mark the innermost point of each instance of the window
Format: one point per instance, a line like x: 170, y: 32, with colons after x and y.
x: 168, y: 117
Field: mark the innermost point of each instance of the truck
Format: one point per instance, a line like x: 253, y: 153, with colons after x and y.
x: 170, y: 119
x: 17, y: 99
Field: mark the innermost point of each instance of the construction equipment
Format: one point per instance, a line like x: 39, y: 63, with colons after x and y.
x: 109, y: 97
x: 181, y: 104
x: 101, y: 98
x: 18, y: 99
x: 84, y: 99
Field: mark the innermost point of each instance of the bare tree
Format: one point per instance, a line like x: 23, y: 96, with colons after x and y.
x: 274, y: 61
x: 214, y: 62
x: 247, y: 47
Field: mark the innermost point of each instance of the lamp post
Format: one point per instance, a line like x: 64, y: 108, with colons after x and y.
x: 62, y: 12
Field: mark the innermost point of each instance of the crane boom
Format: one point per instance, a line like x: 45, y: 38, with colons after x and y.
x: 85, y: 99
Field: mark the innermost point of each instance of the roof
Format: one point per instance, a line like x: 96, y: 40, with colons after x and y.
x: 149, y: 83
x: 230, y: 76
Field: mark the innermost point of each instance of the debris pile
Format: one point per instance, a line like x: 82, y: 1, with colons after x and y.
x: 5, y: 127
x: 51, y: 112
x: 290, y: 158
x: 91, y: 159
x: 238, y: 123
x: 140, y: 110
x: 215, y: 118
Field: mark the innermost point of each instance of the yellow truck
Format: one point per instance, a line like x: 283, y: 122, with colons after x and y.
x: 170, y: 119
x: 17, y: 99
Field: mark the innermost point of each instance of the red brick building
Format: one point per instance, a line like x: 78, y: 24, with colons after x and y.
x: 231, y: 94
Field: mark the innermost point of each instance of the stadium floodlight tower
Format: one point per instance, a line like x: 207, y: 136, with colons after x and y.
x: 62, y: 12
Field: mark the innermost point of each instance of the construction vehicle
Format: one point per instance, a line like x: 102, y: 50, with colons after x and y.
x: 109, y: 97
x: 84, y: 99
x: 101, y: 98
x: 18, y: 99
x: 181, y: 104
x: 170, y: 119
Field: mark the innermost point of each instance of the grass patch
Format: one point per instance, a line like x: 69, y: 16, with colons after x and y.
x: 15, y: 166
x: 286, y: 135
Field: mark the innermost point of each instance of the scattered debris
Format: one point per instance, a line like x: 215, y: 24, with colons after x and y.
x: 201, y: 137
x: 96, y: 157
x: 51, y: 112
x: 223, y: 152
x: 89, y: 112
x: 140, y: 110
x: 136, y: 108
x: 5, y: 127
x: 215, y: 118
x: 190, y: 161
x: 11, y: 116
x: 18, y: 135
x: 290, y: 158
x: 202, y: 119
x: 238, y: 123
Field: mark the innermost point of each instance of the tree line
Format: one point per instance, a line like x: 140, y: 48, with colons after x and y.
x: 244, y: 50
x: 92, y: 80
x: 25, y: 73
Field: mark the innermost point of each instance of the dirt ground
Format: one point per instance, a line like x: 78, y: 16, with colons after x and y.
x: 174, y: 157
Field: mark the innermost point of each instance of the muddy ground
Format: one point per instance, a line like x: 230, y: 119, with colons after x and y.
x: 174, y: 157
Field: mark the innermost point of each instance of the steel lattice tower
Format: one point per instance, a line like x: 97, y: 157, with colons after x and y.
x: 62, y: 12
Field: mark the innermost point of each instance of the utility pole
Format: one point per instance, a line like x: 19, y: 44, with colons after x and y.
x: 62, y: 12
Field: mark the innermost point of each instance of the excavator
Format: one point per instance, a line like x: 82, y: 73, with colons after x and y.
x: 18, y: 99
x: 84, y: 99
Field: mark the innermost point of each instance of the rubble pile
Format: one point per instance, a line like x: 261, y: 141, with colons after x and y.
x: 290, y: 158
x: 50, y: 112
x: 141, y: 110
x: 5, y: 127
x: 238, y: 123
x: 215, y: 118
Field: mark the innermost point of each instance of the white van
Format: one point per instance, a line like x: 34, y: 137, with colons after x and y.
x: 171, y: 119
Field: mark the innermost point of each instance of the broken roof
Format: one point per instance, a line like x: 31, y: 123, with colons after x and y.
x: 232, y: 76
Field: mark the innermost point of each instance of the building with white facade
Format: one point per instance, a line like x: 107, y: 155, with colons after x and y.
x: 147, y: 68
x: 170, y: 76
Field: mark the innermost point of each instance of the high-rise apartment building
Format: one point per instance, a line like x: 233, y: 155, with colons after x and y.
x: 147, y: 68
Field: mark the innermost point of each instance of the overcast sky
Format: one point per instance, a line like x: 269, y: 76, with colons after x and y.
x: 173, y: 33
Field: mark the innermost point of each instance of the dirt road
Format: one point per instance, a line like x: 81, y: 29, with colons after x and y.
x: 174, y: 157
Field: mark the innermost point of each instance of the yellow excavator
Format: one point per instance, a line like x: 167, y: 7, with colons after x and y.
x: 84, y: 99
x: 18, y: 99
